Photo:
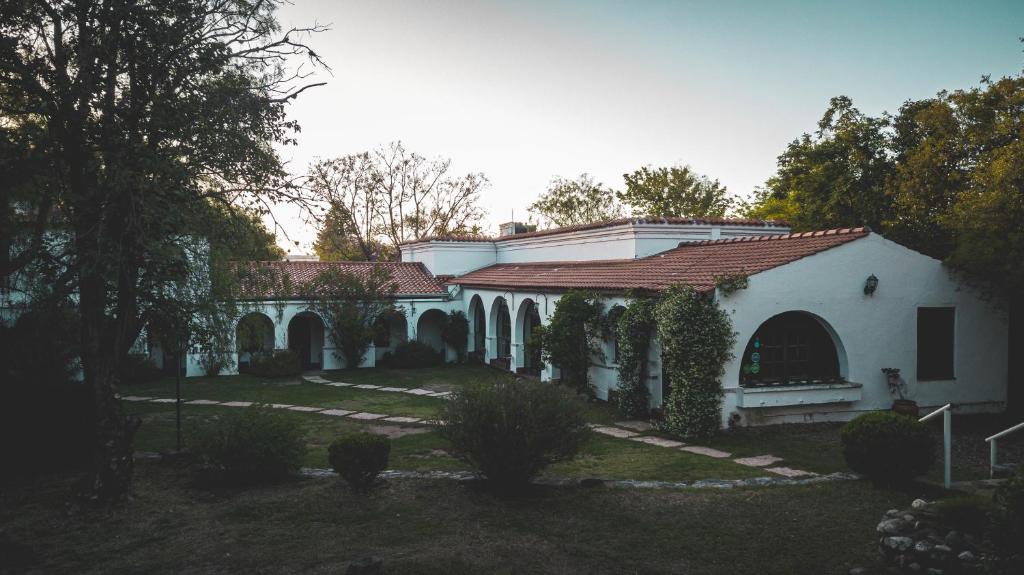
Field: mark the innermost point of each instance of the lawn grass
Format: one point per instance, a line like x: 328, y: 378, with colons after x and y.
x: 421, y: 526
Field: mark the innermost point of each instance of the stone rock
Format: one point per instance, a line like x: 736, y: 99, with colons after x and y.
x: 366, y: 566
x: 923, y: 547
x: 893, y: 513
x: 919, y: 504
x: 859, y: 571
x: 914, y: 567
x: 898, y: 543
x: 966, y: 557
x: 909, y: 518
x: 954, y: 539
x: 943, y: 549
x: 893, y: 526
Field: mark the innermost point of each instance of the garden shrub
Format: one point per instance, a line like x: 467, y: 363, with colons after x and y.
x: 359, y: 457
x: 138, y: 368
x: 633, y: 331
x: 413, y: 354
x: 573, y: 337
x: 281, y: 363
x: 1009, y: 501
x: 455, y: 332
x: 887, y: 447
x: 696, y: 339
x: 511, y: 430
x: 254, y: 445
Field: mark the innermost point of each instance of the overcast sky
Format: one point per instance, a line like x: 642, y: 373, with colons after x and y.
x: 524, y: 91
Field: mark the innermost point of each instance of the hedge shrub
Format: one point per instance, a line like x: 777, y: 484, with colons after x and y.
x: 510, y: 431
x: 281, y: 363
x: 1009, y: 500
x: 455, y: 332
x: 139, y: 369
x: 255, y: 445
x: 887, y: 447
x: 634, y: 329
x: 413, y: 354
x: 574, y: 338
x: 359, y: 457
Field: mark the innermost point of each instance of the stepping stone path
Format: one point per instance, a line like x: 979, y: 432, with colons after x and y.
x: 706, y: 451
x: 364, y: 415
x: 337, y: 412
x: 787, y: 472
x: 202, y: 402
x: 305, y: 408
x: 616, y: 432
x: 640, y: 426
x: 237, y: 403
x: 392, y: 389
x: 418, y: 391
x: 759, y: 461
x: 659, y: 441
x: 367, y: 386
x: 399, y: 419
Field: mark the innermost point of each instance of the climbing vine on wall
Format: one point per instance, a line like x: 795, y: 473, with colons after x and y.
x: 696, y: 338
x: 573, y: 338
x: 633, y: 331
x: 455, y: 332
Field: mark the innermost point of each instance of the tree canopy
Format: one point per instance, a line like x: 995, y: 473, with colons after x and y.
x: 574, y: 202
x: 377, y: 200
x: 674, y: 191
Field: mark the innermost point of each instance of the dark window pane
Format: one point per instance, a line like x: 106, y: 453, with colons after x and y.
x: 935, y: 326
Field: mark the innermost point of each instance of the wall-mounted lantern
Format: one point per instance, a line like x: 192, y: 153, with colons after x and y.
x: 870, y: 285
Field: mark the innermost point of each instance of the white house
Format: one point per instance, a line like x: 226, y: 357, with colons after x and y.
x: 812, y: 330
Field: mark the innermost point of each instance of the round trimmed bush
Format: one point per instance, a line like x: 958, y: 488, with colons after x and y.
x: 413, y: 354
x: 887, y: 447
x: 359, y: 457
x: 511, y: 430
x: 254, y: 445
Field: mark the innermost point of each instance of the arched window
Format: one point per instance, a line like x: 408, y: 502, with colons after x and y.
x: 791, y: 348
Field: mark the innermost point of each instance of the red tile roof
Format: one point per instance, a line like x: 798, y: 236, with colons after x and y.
x: 696, y: 264
x: 412, y: 278
x: 659, y: 220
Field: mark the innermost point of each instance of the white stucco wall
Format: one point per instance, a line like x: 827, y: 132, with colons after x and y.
x: 875, y: 331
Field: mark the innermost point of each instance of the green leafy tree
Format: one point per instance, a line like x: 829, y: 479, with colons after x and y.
x: 144, y: 112
x: 696, y: 339
x: 575, y: 202
x: 677, y: 191
x: 352, y: 306
x: 634, y: 330
x: 338, y: 241
x: 573, y: 337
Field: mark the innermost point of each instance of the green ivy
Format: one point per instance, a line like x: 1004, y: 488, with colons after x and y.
x: 634, y: 330
x: 696, y: 338
x: 573, y: 338
x: 729, y: 284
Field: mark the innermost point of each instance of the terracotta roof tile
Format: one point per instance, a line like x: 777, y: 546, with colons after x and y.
x: 696, y: 264
x: 412, y: 278
x: 608, y: 224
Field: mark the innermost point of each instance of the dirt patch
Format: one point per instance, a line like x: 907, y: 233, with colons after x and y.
x: 396, y: 431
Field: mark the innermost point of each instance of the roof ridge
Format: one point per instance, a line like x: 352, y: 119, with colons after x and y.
x: 778, y: 237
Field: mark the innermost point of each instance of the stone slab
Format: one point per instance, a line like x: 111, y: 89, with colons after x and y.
x: 758, y: 461
x: 202, y: 402
x: 699, y: 450
x: 136, y: 398
x: 399, y: 419
x: 393, y: 389
x: 337, y: 412
x: 418, y: 391
x: 659, y: 441
x: 281, y: 405
x: 364, y: 415
x: 440, y: 394
x: 616, y: 432
x: 340, y: 384
x: 367, y: 386
x: 237, y: 403
x: 789, y: 472
x: 163, y: 400
x: 305, y: 408
x: 316, y: 379
x: 635, y: 425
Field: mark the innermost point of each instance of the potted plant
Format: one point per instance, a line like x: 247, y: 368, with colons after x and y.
x: 898, y: 387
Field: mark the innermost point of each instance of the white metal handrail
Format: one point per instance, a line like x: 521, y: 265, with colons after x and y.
x: 947, y: 441
x: 992, y: 446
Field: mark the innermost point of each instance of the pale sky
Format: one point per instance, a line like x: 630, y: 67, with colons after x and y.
x: 524, y: 91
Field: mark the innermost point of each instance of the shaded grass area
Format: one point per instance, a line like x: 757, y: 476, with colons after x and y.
x: 318, y: 526
x: 603, y: 456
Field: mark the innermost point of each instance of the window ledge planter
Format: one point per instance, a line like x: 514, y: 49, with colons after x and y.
x: 790, y: 395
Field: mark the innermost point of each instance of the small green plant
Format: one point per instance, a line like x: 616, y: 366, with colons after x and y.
x: 413, y: 354
x: 887, y: 447
x: 281, y: 363
x: 255, y: 445
x: 359, y: 458
x: 729, y: 284
x: 510, y: 431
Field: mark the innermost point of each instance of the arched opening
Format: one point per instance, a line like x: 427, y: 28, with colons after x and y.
x: 428, y: 329
x: 254, y: 338
x: 501, y: 319
x: 391, y: 331
x: 478, y: 328
x: 528, y: 320
x: 792, y: 348
x: 306, y: 339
